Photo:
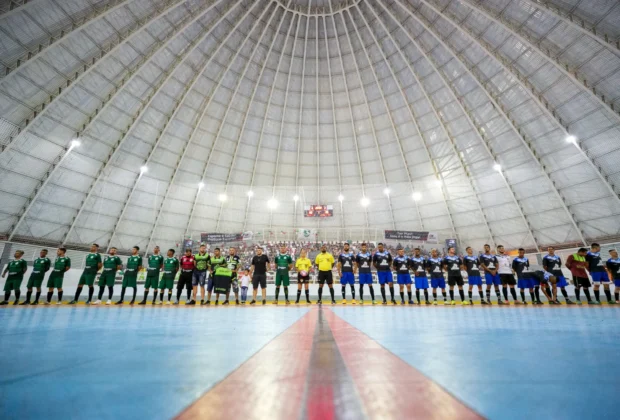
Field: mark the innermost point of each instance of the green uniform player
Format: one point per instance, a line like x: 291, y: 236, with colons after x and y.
x: 218, y: 262
x: 91, y: 267
x: 130, y: 278
x: 15, y: 269
x: 233, y: 262
x: 171, y: 267
x: 111, y: 264
x: 284, y: 263
x: 199, y: 277
x: 40, y: 266
x: 61, y: 266
x: 155, y: 264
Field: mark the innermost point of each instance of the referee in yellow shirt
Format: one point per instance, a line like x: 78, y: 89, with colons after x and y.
x: 325, y: 262
x: 303, y: 265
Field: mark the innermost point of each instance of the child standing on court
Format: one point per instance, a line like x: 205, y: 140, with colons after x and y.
x: 245, y: 283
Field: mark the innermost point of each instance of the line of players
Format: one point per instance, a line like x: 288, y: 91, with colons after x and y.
x: 219, y: 274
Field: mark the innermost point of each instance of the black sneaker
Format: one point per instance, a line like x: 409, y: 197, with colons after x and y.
x: 202, y: 303
x: 226, y: 302
x: 73, y: 302
x: 264, y: 302
x: 384, y: 302
x: 309, y: 302
x: 393, y: 302
x: 208, y: 302
x: 538, y: 302
x: 191, y: 302
x: 24, y: 303
x: 410, y: 302
x: 236, y: 301
x: 318, y: 302
x: 36, y: 302
x: 428, y: 302
x: 402, y: 302
x: 569, y: 302
x: 217, y: 302
x: 142, y: 303
x: 120, y: 302
x: 253, y: 302
x: 500, y: 302
x: 333, y: 302
x: 287, y: 302
x: 16, y: 302
x: 4, y: 302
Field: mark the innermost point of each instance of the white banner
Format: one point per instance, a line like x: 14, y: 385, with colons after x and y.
x: 307, y: 234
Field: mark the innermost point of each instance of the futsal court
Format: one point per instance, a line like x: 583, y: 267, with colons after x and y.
x: 309, y: 362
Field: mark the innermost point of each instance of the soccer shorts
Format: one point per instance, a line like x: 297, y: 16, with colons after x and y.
x: 13, y: 283
x: 455, y: 280
x: 107, y: 278
x: 325, y: 277
x: 185, y: 280
x: 347, y: 278
x: 507, y: 279
x: 222, y: 284
x: 525, y: 283
x: 561, y: 281
x: 600, y: 277
x: 617, y: 282
x: 421, y: 282
x: 259, y: 279
x: 152, y: 281
x: 55, y: 280
x: 199, y: 278
x: 581, y: 281
x: 303, y: 279
x: 130, y: 280
x: 403, y: 278
x: 474, y: 280
x: 365, y: 278
x: 87, y: 279
x: 384, y: 277
x: 234, y: 282
x: 167, y: 281
x: 438, y: 282
x: 492, y: 279
x: 35, y: 280
x: 282, y: 278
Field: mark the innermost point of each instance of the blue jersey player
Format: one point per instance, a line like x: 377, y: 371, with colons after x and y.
x: 525, y: 278
x: 613, y: 268
x: 346, y: 273
x: 453, y: 265
x: 382, y: 261
x: 490, y: 264
x: 418, y: 265
x: 434, y: 266
x: 403, y: 278
x: 597, y: 270
x: 363, y: 261
x: 553, y: 264
x: 472, y: 266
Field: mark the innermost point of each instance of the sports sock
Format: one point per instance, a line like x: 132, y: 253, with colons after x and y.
x: 331, y: 292
x: 488, y: 295
x: 135, y: 292
x: 578, y: 293
x: 586, y: 292
x: 383, y: 292
x: 285, y: 293
x: 60, y: 292
x: 352, y: 292
x: 320, y: 292
x: 169, y: 295
x: 7, y: 295
x: 434, y: 295
x: 277, y: 293
x: 307, y: 295
x: 392, y: 292
x: 462, y: 294
x: 161, y: 295
x: 608, y: 295
x: 565, y: 293
x: 77, y: 293
x: 110, y: 291
x: 361, y: 292
x: 532, y: 295
x: 189, y: 294
x: 28, y: 295
x: 37, y: 296
x: 617, y: 296
x: 344, y: 292
x: 549, y: 291
x: 409, y: 294
x: 498, y: 293
x: 417, y: 295
x: 146, y: 294
x: 18, y: 293
x: 505, y: 290
x: 123, y: 293
x: 402, y: 295
x: 372, y: 291
x: 426, y: 294
x: 298, y: 295
x: 537, y: 293
x: 100, y: 295
x: 470, y: 294
x: 451, y: 294
x: 49, y: 296
x: 597, y: 294
x: 522, y: 292
x: 91, y: 290
x: 179, y: 291
x: 513, y: 292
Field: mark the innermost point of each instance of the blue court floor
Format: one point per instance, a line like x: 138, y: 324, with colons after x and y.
x: 152, y: 362
x: 509, y: 363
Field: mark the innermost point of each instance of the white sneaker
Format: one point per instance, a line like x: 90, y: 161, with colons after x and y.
x: 109, y: 302
x: 168, y: 303
x: 46, y: 303
x: 97, y: 302
x: 59, y: 302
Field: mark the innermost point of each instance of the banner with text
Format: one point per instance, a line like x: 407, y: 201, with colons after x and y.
x: 404, y: 235
x: 218, y: 238
x: 307, y: 234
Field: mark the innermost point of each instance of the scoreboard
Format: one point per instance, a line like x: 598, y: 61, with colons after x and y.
x: 318, y: 210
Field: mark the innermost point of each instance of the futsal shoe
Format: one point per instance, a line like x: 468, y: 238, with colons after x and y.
x: 427, y: 303
x: 237, y: 301
x: 308, y: 302
x: 518, y: 302
x: 97, y: 302
x: 191, y: 302
x: 570, y: 302
x: 120, y: 302
x: 445, y: 302
x: 109, y: 302
x: 202, y: 303
x: 464, y: 303
x: 275, y: 302
x: 353, y: 301
x: 73, y: 302
x: 45, y: 303
x: 264, y: 302
x: 226, y: 303
x: 60, y: 302
x: 452, y: 303
x: 334, y: 302
x: 384, y: 302
x: 16, y: 302
x: 393, y: 302
x: 344, y: 301
x: 611, y: 302
x: 501, y: 302
x: 253, y: 302
x: 361, y: 301
x: 411, y: 302
x: 35, y: 303
x: 142, y: 302
x: 374, y: 302
x: 319, y: 302
x: 594, y: 302
x: 176, y: 302
x: 87, y: 303
x: 4, y: 302
x: 287, y: 302
x: 435, y: 302
x: 24, y: 303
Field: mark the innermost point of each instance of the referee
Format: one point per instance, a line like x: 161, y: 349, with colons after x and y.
x: 258, y: 272
x: 325, y: 261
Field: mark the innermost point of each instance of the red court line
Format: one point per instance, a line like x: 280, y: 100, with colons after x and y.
x: 389, y: 387
x: 269, y: 385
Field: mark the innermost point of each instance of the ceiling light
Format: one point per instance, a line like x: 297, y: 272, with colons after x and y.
x: 386, y: 191
x: 250, y: 193
x: 143, y: 169
x: 76, y: 143
x: 295, y: 198
x: 364, y: 202
x: 571, y: 139
x: 417, y: 196
x: 272, y: 204
x: 222, y: 197
x: 201, y: 185
x: 340, y: 198
x: 497, y: 167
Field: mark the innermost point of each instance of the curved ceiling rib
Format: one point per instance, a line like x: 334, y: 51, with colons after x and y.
x: 207, y: 101
x: 84, y: 70
x: 500, y: 109
x: 13, y: 6
x: 92, y: 118
x: 177, y: 107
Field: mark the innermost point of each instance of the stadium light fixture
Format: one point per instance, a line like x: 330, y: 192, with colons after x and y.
x: 417, y: 196
x: 250, y: 193
x: 201, y: 185
x: 340, y: 198
x: 143, y: 169
x: 295, y: 198
x: 222, y: 197
x: 272, y: 203
x: 386, y: 191
x: 497, y: 167
x: 571, y: 139
x: 75, y: 143
x: 364, y: 202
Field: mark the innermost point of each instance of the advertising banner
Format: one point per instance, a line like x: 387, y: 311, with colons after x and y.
x: 217, y: 238
x: 404, y: 235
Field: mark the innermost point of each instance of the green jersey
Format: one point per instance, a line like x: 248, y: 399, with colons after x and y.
x: 61, y: 264
x: 41, y: 265
x: 111, y: 263
x: 92, y: 263
x: 155, y: 262
x: 16, y: 269
x: 133, y: 263
x: 171, y: 266
x: 282, y: 262
x: 219, y: 266
x: 202, y: 261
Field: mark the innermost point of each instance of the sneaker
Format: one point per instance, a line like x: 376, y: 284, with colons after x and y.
x: 594, y: 302
x: 538, y: 302
x: 109, y: 302
x: 552, y: 302
x: 570, y: 302
x: 471, y: 302
x: 319, y: 302
x: 97, y: 302
x: 557, y: 302
x: 264, y: 302
x: 168, y: 303
x: 176, y: 302
x: 353, y: 301
x: 237, y: 301
x: 4, y: 302
x: 435, y: 302
x: 24, y: 303
x: 120, y: 302
x: 464, y: 303
x: 73, y: 302
x: 253, y: 302
x: 411, y: 302
x: 142, y: 303
x: 334, y: 302
x: 287, y: 302
x: 384, y: 302
x: 45, y: 303
x: 191, y: 302
x: 501, y: 302
x: 452, y: 303
x: 361, y: 302
x: 517, y: 302
x: 297, y: 302
x: 60, y: 302
x: 393, y: 302
x: 445, y: 302
x: 275, y: 302
x: 202, y: 303
x: 16, y: 302
x: 217, y: 302
x: 611, y: 302
x: 374, y: 302
x: 207, y: 302
x: 427, y: 302
x: 226, y: 302
x: 402, y: 302
x: 308, y: 302
x: 578, y: 302
x: 36, y: 302
x: 87, y: 303
x: 344, y: 301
